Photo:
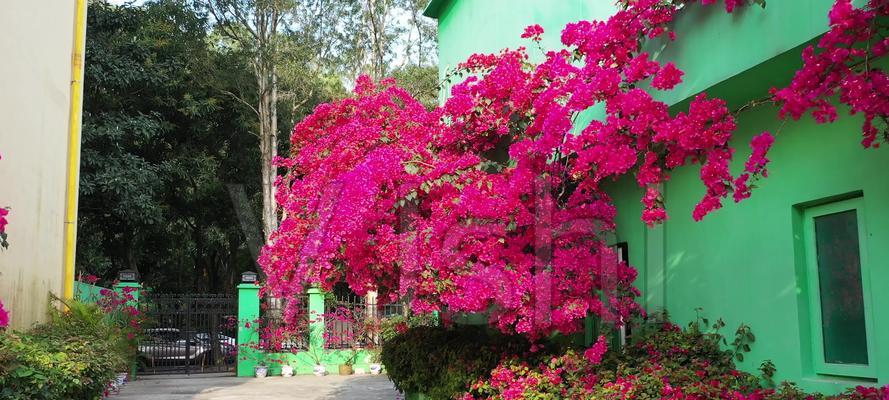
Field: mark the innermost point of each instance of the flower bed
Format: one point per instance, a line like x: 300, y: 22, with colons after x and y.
x: 663, y: 362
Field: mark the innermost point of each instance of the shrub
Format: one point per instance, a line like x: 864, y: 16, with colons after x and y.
x: 663, y: 363
x: 35, y: 368
x: 73, y: 356
x: 394, y: 325
x: 441, y: 362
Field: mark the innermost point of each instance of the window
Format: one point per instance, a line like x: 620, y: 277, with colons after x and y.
x: 838, y: 288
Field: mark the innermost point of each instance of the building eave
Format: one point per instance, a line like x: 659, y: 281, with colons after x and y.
x: 435, y: 8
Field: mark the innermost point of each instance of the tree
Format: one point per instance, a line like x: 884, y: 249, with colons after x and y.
x: 300, y: 38
x: 254, y: 25
x: 171, y: 136
x: 373, y: 37
x: 161, y: 143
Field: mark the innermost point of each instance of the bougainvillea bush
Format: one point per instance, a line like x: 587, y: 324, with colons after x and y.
x: 494, y: 201
x: 664, y: 363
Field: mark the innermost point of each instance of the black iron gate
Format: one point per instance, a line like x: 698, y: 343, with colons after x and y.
x: 188, y: 333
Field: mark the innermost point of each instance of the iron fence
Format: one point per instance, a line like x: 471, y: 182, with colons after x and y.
x: 348, y: 321
x: 280, y: 336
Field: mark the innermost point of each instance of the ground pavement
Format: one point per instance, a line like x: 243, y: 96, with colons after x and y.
x: 226, y: 387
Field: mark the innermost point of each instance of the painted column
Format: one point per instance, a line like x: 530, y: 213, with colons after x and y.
x: 316, y: 321
x: 248, y: 337
x: 133, y: 289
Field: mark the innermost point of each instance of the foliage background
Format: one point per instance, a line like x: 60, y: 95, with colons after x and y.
x: 170, y: 161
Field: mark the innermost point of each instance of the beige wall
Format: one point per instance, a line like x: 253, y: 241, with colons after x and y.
x: 36, y: 40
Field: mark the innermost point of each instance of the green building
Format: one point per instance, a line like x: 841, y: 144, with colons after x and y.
x: 805, y: 261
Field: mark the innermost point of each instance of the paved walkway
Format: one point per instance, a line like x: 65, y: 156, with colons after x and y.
x: 302, y: 387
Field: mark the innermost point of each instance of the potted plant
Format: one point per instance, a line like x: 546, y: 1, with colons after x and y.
x: 253, y: 352
x: 261, y: 371
x: 373, y: 361
x: 346, y: 368
x: 349, y: 356
x: 286, y: 369
x: 373, y: 333
x: 316, y: 356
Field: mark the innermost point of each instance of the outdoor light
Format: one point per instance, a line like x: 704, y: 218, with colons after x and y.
x: 127, y: 275
x: 249, y: 277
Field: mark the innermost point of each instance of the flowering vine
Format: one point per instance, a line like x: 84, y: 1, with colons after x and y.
x: 494, y: 202
x: 844, y: 64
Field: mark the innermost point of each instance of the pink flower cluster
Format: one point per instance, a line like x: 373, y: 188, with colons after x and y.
x: 844, y: 64
x: 493, y: 202
x: 3, y: 222
x: 4, y: 316
x: 730, y: 5
x: 122, y: 308
x: 594, y: 354
x: 533, y: 32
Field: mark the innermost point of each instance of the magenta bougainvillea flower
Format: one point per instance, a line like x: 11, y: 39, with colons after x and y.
x: 3, y: 213
x: 494, y: 202
x: 4, y: 316
x: 843, y: 65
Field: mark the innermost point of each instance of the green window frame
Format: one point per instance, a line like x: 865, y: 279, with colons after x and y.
x: 826, y: 213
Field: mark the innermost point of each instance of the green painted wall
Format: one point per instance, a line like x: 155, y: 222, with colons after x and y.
x: 743, y: 262
x: 712, y: 45
x: 746, y: 262
x: 87, y: 293
x: 467, y: 27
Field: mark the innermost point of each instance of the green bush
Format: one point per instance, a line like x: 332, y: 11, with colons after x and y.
x: 441, y: 362
x: 396, y: 324
x: 73, y: 356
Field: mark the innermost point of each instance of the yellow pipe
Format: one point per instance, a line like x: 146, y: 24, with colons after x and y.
x: 73, y: 168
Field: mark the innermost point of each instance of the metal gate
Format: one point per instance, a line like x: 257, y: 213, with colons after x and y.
x: 188, y: 333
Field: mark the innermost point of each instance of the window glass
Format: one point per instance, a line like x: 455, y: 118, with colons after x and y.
x: 839, y: 278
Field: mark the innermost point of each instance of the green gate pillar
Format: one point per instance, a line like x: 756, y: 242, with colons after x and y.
x: 121, y: 289
x: 316, y: 318
x: 134, y: 289
x: 248, y: 338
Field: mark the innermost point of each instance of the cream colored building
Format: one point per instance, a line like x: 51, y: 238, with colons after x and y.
x: 41, y: 44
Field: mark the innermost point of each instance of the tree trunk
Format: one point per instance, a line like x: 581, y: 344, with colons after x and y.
x: 266, y: 75
x: 268, y: 143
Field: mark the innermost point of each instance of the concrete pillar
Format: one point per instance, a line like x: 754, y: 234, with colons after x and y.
x: 133, y: 289
x: 248, y: 337
x: 316, y: 320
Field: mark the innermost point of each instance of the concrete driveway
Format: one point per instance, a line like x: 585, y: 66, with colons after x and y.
x: 303, y: 387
